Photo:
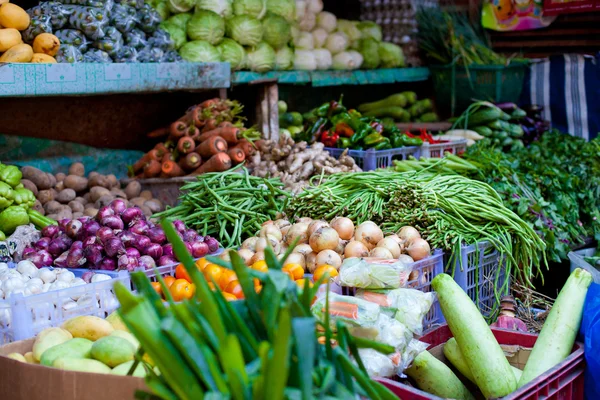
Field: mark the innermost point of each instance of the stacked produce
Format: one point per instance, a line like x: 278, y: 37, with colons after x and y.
x: 15, y: 26
x: 119, y: 237
x: 400, y: 107
x: 296, y: 163
x: 71, y: 196
x: 99, y: 31
x: 208, y: 138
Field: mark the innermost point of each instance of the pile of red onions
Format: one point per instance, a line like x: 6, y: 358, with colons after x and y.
x: 118, y: 238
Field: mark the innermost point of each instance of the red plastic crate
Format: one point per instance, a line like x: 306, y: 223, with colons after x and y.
x: 563, y: 382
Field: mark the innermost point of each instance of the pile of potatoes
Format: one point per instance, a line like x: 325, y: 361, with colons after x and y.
x: 73, y: 195
x: 14, y: 19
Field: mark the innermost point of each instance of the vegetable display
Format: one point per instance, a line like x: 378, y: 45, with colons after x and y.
x: 400, y: 107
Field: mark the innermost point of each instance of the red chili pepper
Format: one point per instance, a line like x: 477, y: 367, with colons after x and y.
x: 329, y: 139
x: 343, y: 129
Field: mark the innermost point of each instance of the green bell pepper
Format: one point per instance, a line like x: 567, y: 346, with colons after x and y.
x: 362, y: 132
x: 373, y: 139
x: 11, y: 175
x: 24, y: 198
x: 346, y: 118
x: 401, y: 140
x: 322, y: 110
x: 344, y: 143
x: 13, y: 217
x: 6, y: 195
x: 385, y: 144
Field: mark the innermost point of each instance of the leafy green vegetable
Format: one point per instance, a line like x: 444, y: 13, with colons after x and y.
x: 370, y: 29
x: 276, y: 31
x: 369, y: 48
x: 261, y: 58
x: 391, y: 55
x: 253, y: 8
x: 177, y: 34
x: 245, y: 30
x: 231, y: 52
x: 284, y: 59
x: 199, y: 51
x: 284, y: 8
x: 206, y: 25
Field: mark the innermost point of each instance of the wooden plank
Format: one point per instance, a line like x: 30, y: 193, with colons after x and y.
x: 549, y: 43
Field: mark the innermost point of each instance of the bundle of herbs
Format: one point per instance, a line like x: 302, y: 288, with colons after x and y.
x: 263, y: 347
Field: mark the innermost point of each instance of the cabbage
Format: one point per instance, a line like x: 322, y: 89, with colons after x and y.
x: 344, y: 60
x: 349, y: 28
x: 176, y: 34
x: 370, y: 29
x: 336, y: 43
x: 327, y: 21
x: 199, y: 51
x: 323, y: 58
x: 284, y: 8
x: 308, y: 22
x: 231, y: 52
x: 300, y: 9
x: 357, y: 58
x: 305, y: 60
x: 221, y: 7
x: 284, y: 58
x: 245, y: 30
x: 276, y: 31
x: 261, y: 58
x: 253, y: 8
x: 206, y: 25
x: 180, y: 6
x: 391, y: 55
x: 369, y: 48
x: 295, y: 32
x: 304, y: 41
x: 162, y: 8
x: 319, y: 37
x: 180, y: 20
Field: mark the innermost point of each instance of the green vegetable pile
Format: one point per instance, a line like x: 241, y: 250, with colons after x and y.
x: 16, y: 203
x: 400, y: 107
x: 230, y: 206
x: 263, y: 347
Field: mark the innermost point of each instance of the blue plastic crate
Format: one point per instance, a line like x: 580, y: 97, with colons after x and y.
x: 371, y: 159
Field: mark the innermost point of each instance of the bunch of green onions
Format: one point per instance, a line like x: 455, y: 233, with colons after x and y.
x: 263, y: 347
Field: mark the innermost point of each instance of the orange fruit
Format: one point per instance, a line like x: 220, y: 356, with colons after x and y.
x: 296, y: 271
x: 256, y: 282
x: 212, y: 272
x: 157, y: 287
x: 326, y: 269
x: 300, y: 283
x: 202, y: 263
x: 212, y: 286
x: 169, y: 280
x: 235, y: 289
x: 181, y: 273
x: 226, y: 276
x: 258, y: 288
x: 260, y: 266
x: 182, y: 289
x: 229, y: 296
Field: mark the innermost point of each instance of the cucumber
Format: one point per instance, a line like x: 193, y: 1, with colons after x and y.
x: 505, y: 116
x: 290, y: 119
x: 397, y: 99
x: 497, y: 125
x: 557, y: 337
x: 515, y: 130
x: 500, y: 135
x: 518, y: 114
x: 507, y: 142
x: 433, y: 376
x: 429, y: 117
x: 480, y: 349
x: 483, y: 131
x: 485, y: 116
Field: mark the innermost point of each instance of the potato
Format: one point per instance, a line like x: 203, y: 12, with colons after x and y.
x: 96, y: 192
x: 90, y: 212
x: 21, y: 53
x: 52, y: 179
x: 13, y: 16
x: 104, y: 201
x: 81, y: 200
x: 92, y: 174
x: 154, y: 205
x: 64, y: 213
x: 30, y: 185
x: 45, y: 196
x: 9, y: 37
x: 76, y: 168
x: 75, y: 206
x: 60, y: 177
x: 38, y: 177
x: 137, y: 201
x: 133, y: 189
x: 118, y: 193
x: 98, y: 180
x: 59, y: 186
x: 77, y: 215
x: 88, y: 205
x: 66, y: 195
x: 40, y: 58
x: 37, y: 206
x: 53, y: 216
x: 147, y: 212
x: 52, y: 207
x: 146, y: 194
x: 77, y: 183
x: 88, y: 197
x: 48, y: 44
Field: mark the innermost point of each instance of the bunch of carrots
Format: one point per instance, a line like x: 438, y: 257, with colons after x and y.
x: 210, y: 137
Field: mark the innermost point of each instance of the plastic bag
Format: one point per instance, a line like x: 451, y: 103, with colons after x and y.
x: 150, y: 55
x: 374, y: 273
x: 171, y: 56
x: 111, y: 42
x: 124, y: 18
x: 59, y: 15
x: 39, y: 24
x: 348, y: 309
x: 69, y: 54
x: 162, y: 40
x: 137, y: 4
x: 104, y: 4
x: 89, y: 20
x: 148, y: 18
x: 590, y: 330
x: 377, y: 364
x: 136, y: 39
x: 97, y: 56
x: 126, y: 54
x: 74, y: 38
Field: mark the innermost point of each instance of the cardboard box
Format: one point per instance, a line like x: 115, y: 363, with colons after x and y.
x: 22, y: 381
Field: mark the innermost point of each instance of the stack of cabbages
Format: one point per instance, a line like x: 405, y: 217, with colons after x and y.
x: 103, y: 31
x: 261, y: 35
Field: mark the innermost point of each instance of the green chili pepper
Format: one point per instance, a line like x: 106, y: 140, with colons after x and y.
x: 322, y: 110
x: 413, y: 141
x: 313, y: 133
x: 383, y: 145
x: 361, y: 133
x: 24, y: 198
x: 344, y: 143
x: 7, y: 195
x: 373, y: 139
x: 11, y: 175
x: 346, y: 118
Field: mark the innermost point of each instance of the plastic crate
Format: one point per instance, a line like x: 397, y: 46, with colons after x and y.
x: 170, y: 269
x: 370, y: 159
x: 456, y: 86
x: 437, y: 150
x: 24, y: 317
x: 582, y: 253
x: 480, y: 272
x: 563, y: 382
x: 422, y: 274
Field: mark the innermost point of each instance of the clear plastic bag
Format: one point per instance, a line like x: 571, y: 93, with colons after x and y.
x: 162, y: 40
x: 38, y: 24
x: 59, y: 15
x: 136, y: 39
x: 377, y: 364
x: 171, y: 56
x: 148, y: 18
x: 355, y: 312
x: 374, y: 273
x: 124, y: 18
x: 68, y: 54
x: 111, y: 42
x: 74, y: 38
x: 89, y: 20
x: 97, y: 56
x: 414, y: 348
x: 126, y: 54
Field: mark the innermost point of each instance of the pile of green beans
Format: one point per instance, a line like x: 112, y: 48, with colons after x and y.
x: 230, y: 206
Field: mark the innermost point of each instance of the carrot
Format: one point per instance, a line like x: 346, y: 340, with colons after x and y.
x: 186, y: 145
x: 209, y: 103
x: 378, y: 298
x: 208, y: 134
x: 139, y: 164
x: 340, y: 309
x: 161, y: 150
x: 178, y: 128
x: 190, y: 162
x: 237, y: 155
x: 209, y: 125
x: 218, y: 163
x: 211, y: 147
x: 193, y: 132
x: 153, y: 155
x: 224, y: 124
x: 168, y: 157
x: 247, y: 147
x: 152, y: 169
x: 158, y: 133
x: 231, y: 134
x: 193, y: 116
x: 171, y: 168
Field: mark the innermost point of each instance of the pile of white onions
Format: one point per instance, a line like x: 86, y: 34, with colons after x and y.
x: 322, y: 243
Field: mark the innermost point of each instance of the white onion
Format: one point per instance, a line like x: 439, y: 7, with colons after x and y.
x: 381, y: 252
x: 311, y: 264
x: 271, y: 230
x: 324, y: 238
x: 407, y: 234
x: 355, y: 248
x: 284, y: 230
x: 395, y: 237
x: 305, y: 220
x: 282, y: 249
x: 391, y: 245
x: 225, y: 256
x: 315, y: 226
x: 282, y: 223
x: 418, y: 249
x: 250, y: 244
x: 261, y: 244
x: 406, y: 259
x: 369, y: 234
x: 328, y: 257
x: 246, y: 255
x: 303, y: 249
x: 274, y: 244
x: 344, y: 227
x: 295, y: 258
x: 269, y: 222
x: 258, y: 256
x: 299, y: 231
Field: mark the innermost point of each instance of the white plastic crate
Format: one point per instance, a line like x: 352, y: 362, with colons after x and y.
x: 437, y: 150
x: 24, y: 317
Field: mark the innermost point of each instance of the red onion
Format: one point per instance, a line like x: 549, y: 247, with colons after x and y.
x: 113, y: 246
x: 156, y: 235
x: 47, y: 259
x: 168, y: 250
x: 166, y: 260
x: 146, y: 262
x: 104, y: 233
x: 50, y: 231
x: 154, y: 250
x: 179, y: 225
x: 112, y: 221
x: 132, y: 252
x: 90, y: 228
x: 107, y: 264
x: 77, y: 245
x: 27, y: 250
x: 199, y: 249
x: 141, y: 242
x: 128, y: 238
x: 72, y: 228
x: 188, y: 246
x: 93, y: 254
x: 127, y: 263
x: 139, y: 228
x: 132, y: 214
x: 75, y: 259
x: 87, y: 276
x: 90, y: 241
x: 61, y: 261
x: 104, y: 212
x: 213, y: 244
x: 63, y: 223
x: 190, y: 236
x: 59, y: 245
x: 37, y: 259
x: 118, y: 206
x: 43, y: 243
